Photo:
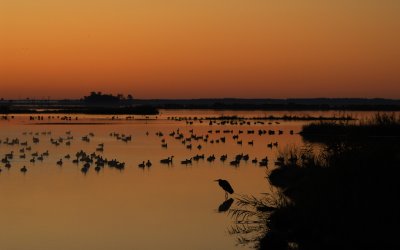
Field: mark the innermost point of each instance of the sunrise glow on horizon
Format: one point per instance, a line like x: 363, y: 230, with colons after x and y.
x: 200, y: 49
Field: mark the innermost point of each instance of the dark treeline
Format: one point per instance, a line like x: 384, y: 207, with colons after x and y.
x: 4, y: 109
x: 95, y: 103
x: 285, y: 118
x: 98, y: 98
x: 279, y: 104
x: 101, y: 99
x: 345, y: 197
x: 98, y: 102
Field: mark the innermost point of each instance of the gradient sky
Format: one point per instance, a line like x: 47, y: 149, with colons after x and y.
x: 198, y: 49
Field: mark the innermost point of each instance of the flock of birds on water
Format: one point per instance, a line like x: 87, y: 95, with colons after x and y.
x: 98, y: 161
x: 87, y: 159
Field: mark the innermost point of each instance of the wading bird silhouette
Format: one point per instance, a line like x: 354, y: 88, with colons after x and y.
x: 224, y: 184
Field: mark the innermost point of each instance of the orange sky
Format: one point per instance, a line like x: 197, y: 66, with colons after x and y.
x: 200, y: 48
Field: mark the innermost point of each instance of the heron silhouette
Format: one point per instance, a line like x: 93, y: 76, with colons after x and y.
x: 224, y: 184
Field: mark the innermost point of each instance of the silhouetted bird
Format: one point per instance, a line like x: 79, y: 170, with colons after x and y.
x: 167, y: 160
x: 141, y: 165
x: 84, y: 170
x: 148, y: 163
x: 224, y: 184
x: 23, y: 169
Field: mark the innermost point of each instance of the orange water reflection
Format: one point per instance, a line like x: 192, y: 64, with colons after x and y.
x: 162, y: 207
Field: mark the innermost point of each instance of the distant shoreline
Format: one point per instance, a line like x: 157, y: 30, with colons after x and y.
x: 71, y: 123
x: 152, y: 107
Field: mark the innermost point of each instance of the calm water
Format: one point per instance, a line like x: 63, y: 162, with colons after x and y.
x: 161, y: 207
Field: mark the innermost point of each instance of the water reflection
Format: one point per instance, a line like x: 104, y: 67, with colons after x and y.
x: 226, y: 205
x: 65, y: 201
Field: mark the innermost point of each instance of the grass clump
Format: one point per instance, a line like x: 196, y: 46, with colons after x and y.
x: 342, y: 196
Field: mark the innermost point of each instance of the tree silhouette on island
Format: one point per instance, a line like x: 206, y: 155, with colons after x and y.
x: 98, y: 98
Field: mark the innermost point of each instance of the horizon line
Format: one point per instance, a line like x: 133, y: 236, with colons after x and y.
x: 212, y: 98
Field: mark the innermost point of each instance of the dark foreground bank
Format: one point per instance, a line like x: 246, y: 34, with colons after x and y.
x: 344, y: 197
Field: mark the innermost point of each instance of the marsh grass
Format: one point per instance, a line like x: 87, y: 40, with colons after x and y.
x: 381, y: 124
x: 342, y: 196
x: 251, y: 217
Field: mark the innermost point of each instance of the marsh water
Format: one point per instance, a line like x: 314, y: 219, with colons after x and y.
x: 165, y: 206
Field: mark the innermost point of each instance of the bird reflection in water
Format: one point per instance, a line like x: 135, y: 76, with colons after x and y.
x: 225, y: 205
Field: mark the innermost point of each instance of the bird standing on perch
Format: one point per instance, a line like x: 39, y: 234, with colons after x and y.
x: 224, y: 184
